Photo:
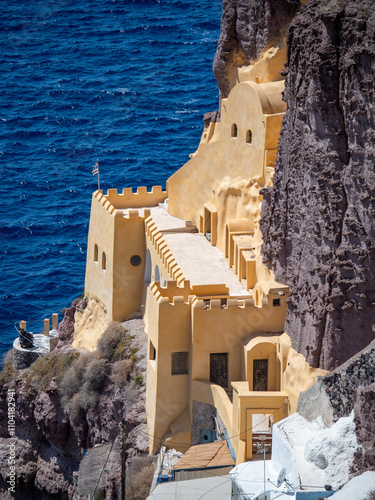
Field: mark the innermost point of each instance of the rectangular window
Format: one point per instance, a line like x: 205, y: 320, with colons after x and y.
x: 276, y: 302
x: 152, y: 351
x: 260, y: 375
x: 219, y: 369
x: 180, y: 363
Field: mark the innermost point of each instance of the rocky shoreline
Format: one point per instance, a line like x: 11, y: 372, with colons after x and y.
x: 53, y: 430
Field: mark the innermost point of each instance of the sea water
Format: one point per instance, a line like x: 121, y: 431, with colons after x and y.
x: 125, y: 82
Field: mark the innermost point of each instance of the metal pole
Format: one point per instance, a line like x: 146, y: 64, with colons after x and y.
x: 123, y: 453
x: 264, y: 469
x: 263, y: 440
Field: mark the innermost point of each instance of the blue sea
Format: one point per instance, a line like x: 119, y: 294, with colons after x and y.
x: 125, y: 82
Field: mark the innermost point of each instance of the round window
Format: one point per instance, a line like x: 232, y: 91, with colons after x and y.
x: 135, y: 260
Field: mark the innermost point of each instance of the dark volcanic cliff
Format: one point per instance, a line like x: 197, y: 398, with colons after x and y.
x: 318, y: 220
x: 248, y: 28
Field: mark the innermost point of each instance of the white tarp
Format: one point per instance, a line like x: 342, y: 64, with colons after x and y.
x: 216, y: 487
x: 358, y: 488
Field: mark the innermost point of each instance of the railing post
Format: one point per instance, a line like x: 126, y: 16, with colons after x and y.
x: 55, y: 321
x: 46, y: 328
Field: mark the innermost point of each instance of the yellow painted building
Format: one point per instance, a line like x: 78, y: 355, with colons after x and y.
x: 189, y: 259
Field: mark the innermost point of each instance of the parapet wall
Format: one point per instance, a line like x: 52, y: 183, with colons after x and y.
x: 165, y: 255
x: 103, y: 200
x: 212, y: 304
x: 173, y: 289
x: 171, y: 292
x: 141, y: 198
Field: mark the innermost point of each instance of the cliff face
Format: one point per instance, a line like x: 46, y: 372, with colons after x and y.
x: 248, y: 28
x: 318, y: 219
x: 67, y: 402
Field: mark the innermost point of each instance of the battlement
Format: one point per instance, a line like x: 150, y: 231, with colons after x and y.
x: 133, y: 213
x: 140, y: 198
x: 223, y: 303
x: 130, y: 213
x: 172, y: 291
x: 103, y: 200
x: 169, y: 262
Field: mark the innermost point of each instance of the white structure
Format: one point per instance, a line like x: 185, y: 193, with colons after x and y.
x: 309, y: 461
x: 358, y: 488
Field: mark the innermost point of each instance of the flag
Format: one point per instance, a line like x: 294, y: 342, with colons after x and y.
x: 95, y: 168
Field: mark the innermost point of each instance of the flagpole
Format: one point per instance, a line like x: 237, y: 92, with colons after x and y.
x: 95, y: 171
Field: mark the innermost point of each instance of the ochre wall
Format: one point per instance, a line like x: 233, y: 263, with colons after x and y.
x: 129, y: 240
x: 222, y: 330
x: 226, y: 171
x: 266, y: 69
x: 99, y: 282
x: 120, y: 235
x: 167, y: 395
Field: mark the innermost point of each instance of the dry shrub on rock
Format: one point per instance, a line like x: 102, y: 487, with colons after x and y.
x: 95, y: 375
x: 72, y: 381
x: 75, y: 408
x: 50, y: 366
x: 89, y: 373
x: 139, y: 477
x: 8, y: 372
x: 110, y: 341
x: 82, y: 384
x: 121, y: 371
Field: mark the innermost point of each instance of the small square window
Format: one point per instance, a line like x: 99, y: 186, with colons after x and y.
x: 180, y: 363
x: 276, y: 302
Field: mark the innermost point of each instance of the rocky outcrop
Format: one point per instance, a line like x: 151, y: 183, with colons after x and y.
x: 248, y: 28
x: 318, y: 221
x: 66, y: 327
x: 349, y: 387
x: 364, y: 410
x: 52, y: 429
x: 334, y: 395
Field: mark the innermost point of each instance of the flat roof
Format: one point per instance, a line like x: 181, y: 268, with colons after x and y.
x: 164, y: 221
x: 203, y: 456
x: 92, y: 468
x: 199, y: 261
x: 202, y: 263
